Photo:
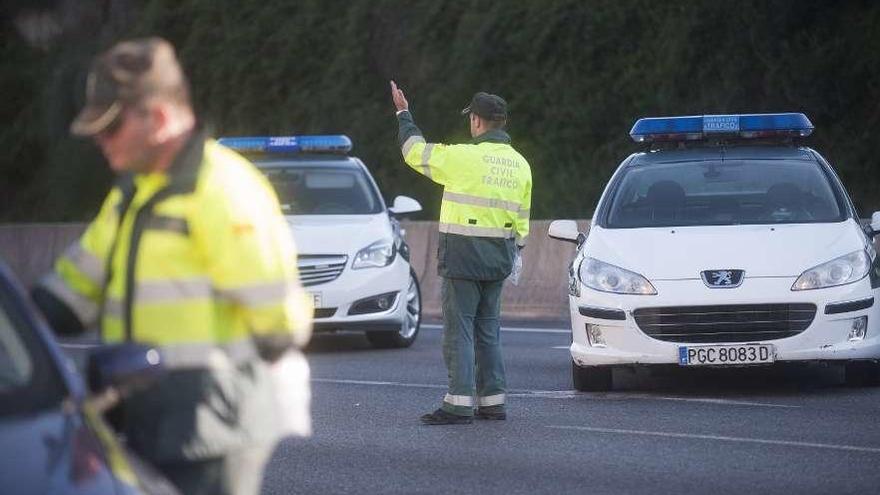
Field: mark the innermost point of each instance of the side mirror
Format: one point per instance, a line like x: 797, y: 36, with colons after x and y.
x: 122, y: 366
x: 875, y: 224
x: 566, y: 230
x: 404, y: 204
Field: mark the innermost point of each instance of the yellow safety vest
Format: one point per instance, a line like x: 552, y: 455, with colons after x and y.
x: 487, y: 186
x: 195, y: 261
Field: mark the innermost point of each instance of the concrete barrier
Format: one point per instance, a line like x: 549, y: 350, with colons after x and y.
x: 542, y: 292
x: 30, y: 250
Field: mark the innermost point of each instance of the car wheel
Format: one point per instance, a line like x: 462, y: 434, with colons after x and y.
x: 591, y: 378
x: 862, y: 374
x: 406, y: 334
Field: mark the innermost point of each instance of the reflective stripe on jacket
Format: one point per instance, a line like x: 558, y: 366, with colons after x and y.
x: 486, y: 199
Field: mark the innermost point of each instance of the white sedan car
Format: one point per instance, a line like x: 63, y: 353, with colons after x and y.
x: 353, y: 258
x: 724, y: 244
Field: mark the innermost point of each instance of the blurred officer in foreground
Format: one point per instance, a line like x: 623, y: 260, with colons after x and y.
x: 190, y: 254
x: 484, y: 220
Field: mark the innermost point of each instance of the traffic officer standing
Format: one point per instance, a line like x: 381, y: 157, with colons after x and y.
x: 189, y: 253
x: 484, y: 220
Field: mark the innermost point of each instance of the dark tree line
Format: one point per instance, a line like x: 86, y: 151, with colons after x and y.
x: 576, y: 74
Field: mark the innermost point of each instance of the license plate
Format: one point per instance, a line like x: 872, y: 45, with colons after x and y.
x: 725, y: 355
x: 316, y: 299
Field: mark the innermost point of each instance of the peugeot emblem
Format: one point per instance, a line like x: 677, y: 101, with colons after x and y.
x: 722, y: 279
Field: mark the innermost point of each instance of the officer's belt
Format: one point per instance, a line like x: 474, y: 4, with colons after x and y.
x: 471, y: 200
x: 475, y: 231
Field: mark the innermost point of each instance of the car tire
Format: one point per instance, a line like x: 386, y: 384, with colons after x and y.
x: 404, y: 335
x: 591, y: 378
x: 862, y: 374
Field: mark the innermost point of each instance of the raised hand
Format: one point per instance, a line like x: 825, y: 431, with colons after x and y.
x: 398, y: 98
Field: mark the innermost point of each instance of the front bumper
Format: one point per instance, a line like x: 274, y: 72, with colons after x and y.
x: 825, y: 339
x: 339, y: 296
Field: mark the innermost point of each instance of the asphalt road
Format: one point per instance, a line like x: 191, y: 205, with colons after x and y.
x: 756, y: 430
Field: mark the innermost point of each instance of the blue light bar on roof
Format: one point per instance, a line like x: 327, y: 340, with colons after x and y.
x: 697, y: 127
x: 337, y: 143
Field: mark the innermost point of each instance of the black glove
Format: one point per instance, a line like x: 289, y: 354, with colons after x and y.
x: 61, y: 319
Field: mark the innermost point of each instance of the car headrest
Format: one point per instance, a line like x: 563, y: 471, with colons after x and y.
x: 784, y: 194
x: 666, y: 193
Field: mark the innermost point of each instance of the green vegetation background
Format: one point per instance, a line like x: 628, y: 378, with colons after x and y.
x: 576, y: 74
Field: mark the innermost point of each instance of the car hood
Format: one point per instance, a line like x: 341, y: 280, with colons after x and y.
x: 674, y: 253
x: 52, y: 452
x: 338, y: 234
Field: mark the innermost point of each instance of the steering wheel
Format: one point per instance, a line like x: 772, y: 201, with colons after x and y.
x: 782, y: 213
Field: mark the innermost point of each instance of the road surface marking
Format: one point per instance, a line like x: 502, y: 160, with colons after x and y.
x: 709, y: 400
x: 721, y: 438
x: 433, y: 326
x: 379, y: 383
x: 559, y: 394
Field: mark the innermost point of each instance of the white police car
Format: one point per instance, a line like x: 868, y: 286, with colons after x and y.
x: 353, y: 258
x: 726, y: 243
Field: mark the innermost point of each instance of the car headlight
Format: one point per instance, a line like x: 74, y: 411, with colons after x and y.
x: 376, y: 255
x: 839, y: 271
x: 604, y: 277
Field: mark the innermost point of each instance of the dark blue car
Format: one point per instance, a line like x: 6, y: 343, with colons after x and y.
x: 52, y: 435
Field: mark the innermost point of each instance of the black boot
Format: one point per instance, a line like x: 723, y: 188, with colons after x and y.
x: 441, y: 417
x: 491, y: 412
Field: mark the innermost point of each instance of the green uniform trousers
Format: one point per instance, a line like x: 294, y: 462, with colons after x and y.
x: 472, y: 344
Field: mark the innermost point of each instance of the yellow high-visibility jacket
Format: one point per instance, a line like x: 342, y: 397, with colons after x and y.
x: 486, y: 202
x: 200, y: 263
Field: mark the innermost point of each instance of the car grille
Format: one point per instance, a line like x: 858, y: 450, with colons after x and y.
x: 320, y: 269
x: 727, y: 323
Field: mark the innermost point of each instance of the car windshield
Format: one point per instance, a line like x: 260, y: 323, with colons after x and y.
x: 28, y: 380
x: 324, y: 191
x: 723, y: 193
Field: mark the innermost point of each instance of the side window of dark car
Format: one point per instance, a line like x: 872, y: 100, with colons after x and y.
x: 16, y: 367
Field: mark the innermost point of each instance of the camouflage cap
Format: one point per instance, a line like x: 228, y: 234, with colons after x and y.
x: 127, y: 74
